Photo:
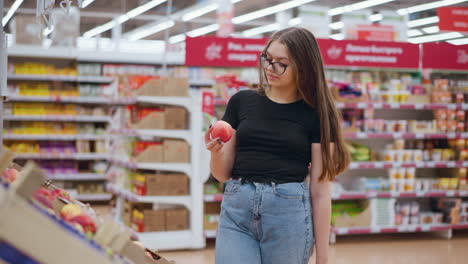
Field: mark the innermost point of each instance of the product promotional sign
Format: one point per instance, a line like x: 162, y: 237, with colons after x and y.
x: 375, y: 32
x: 223, y: 52
x: 444, y: 56
x: 453, y: 19
x: 355, y: 53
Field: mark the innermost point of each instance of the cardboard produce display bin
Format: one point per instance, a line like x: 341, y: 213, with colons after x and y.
x: 150, y: 153
x: 362, y: 219
x: 175, y: 118
x: 155, y: 120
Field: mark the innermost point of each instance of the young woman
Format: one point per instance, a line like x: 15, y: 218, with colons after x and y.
x: 270, y: 213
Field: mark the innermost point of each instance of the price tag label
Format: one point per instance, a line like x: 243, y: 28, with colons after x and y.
x: 420, y: 193
x: 377, y: 105
x: 418, y: 106
x: 430, y: 164
x: 342, y: 231
x: 419, y: 135
x: 452, y: 106
x: 394, y: 106
x: 375, y: 230
x: 425, y: 228
x: 463, y: 193
x: 379, y: 164
x: 362, y: 105
x: 450, y: 193
x: 451, y: 135
x: 361, y: 135
x: 402, y: 228
x: 372, y: 194
x: 412, y: 228
x: 397, y: 135
x: 451, y: 164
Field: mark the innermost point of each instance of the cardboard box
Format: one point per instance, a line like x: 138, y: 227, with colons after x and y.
x: 27, y: 30
x: 155, y: 120
x: 211, y: 222
x: 361, y: 220
x: 175, y: 118
x: 167, y: 184
x: 176, y: 219
x: 154, y: 221
x: 151, y: 154
x: 176, y: 151
x: 212, y: 208
x: 418, y: 99
x: 164, y: 87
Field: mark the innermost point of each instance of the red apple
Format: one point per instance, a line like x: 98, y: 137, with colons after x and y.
x: 86, y: 222
x: 10, y: 175
x: 222, y: 130
x: 43, y: 196
x: 69, y: 211
x: 60, y: 193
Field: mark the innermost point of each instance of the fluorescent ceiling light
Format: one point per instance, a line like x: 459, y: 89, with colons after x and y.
x: 375, y: 17
x: 151, y: 30
x: 203, y: 30
x: 295, y: 21
x: 431, y: 30
x: 423, y: 21
x: 203, y: 10
x: 269, y: 11
x: 123, y: 18
x: 11, y: 11
x: 260, y: 30
x: 338, y: 36
x: 432, y: 5
x: 336, y: 25
x: 200, y: 12
x: 143, y: 8
x: 436, y: 37
x: 414, y: 33
x: 86, y: 3
x: 356, y: 6
x: 177, y: 38
x: 462, y: 41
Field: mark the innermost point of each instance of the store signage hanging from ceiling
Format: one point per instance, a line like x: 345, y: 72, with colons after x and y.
x: 453, y: 19
x: 223, y: 52
x: 356, y: 53
x: 375, y: 32
x: 444, y: 56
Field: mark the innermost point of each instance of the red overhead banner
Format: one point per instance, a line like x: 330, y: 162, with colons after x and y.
x: 444, y: 56
x: 375, y: 32
x: 223, y: 52
x: 453, y: 18
x: 357, y: 53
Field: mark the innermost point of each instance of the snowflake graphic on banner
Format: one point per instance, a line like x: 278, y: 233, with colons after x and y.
x: 334, y: 52
x: 213, y: 52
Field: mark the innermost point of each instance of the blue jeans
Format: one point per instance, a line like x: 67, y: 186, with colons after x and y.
x: 265, y: 224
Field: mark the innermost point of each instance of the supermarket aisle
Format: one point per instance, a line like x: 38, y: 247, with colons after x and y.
x: 401, y: 249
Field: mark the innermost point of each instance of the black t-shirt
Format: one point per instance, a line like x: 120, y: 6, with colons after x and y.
x: 273, y: 140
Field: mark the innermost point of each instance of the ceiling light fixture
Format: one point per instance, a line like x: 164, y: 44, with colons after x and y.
x: 177, y: 38
x: 336, y: 25
x: 423, y: 21
x: 357, y: 6
x: 269, y: 11
x: 86, y: 3
x: 338, y: 36
x: 123, y: 18
x: 462, y: 41
x: 260, y: 30
x: 436, y: 37
x: 432, y: 5
x: 11, y: 11
x: 414, y: 33
x: 203, y: 10
x: 141, y: 33
x: 375, y: 17
x: 203, y: 30
x: 431, y: 30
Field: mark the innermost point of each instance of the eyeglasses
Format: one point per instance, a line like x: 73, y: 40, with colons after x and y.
x: 278, y: 67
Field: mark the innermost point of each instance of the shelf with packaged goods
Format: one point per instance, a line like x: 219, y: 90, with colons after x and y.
x: 397, y: 229
x: 398, y: 135
x: 76, y: 177
x: 64, y: 78
x: 151, y: 133
x: 64, y: 118
x: 371, y: 105
x: 94, y: 197
x: 172, y: 167
x: 213, y: 197
x: 130, y: 196
x: 58, y: 156
x: 54, y: 137
x: 210, y: 233
x: 167, y: 240
x: 71, y: 99
x: 421, y: 194
x: 423, y: 164
x: 166, y: 100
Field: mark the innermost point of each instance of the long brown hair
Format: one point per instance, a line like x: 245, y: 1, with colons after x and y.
x: 305, y: 56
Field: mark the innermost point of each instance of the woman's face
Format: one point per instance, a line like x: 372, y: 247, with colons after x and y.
x: 277, y: 52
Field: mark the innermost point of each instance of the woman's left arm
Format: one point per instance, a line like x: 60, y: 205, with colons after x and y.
x: 320, y: 198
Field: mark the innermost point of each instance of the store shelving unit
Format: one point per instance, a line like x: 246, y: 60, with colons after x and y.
x: 195, y: 170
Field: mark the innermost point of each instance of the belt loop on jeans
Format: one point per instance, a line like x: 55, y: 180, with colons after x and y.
x: 273, y: 184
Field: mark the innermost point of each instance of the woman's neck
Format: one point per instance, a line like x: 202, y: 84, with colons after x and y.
x: 283, y: 96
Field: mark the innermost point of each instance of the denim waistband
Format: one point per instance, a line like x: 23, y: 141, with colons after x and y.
x: 270, y: 182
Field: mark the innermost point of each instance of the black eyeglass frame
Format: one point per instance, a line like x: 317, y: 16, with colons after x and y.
x: 264, y: 57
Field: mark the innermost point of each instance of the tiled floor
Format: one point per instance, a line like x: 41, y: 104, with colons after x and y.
x: 387, y: 249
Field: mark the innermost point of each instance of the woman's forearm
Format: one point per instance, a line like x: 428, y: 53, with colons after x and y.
x: 220, y: 167
x: 321, y: 210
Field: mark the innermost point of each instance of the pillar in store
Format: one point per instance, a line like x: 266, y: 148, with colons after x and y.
x: 224, y: 15
x: 283, y: 18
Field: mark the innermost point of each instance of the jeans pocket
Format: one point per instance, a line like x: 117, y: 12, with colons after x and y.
x: 231, y: 187
x: 293, y: 190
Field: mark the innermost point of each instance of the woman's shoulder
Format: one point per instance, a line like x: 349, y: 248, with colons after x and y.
x: 244, y: 94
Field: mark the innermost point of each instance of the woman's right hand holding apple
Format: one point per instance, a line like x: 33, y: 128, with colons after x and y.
x: 214, y: 145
